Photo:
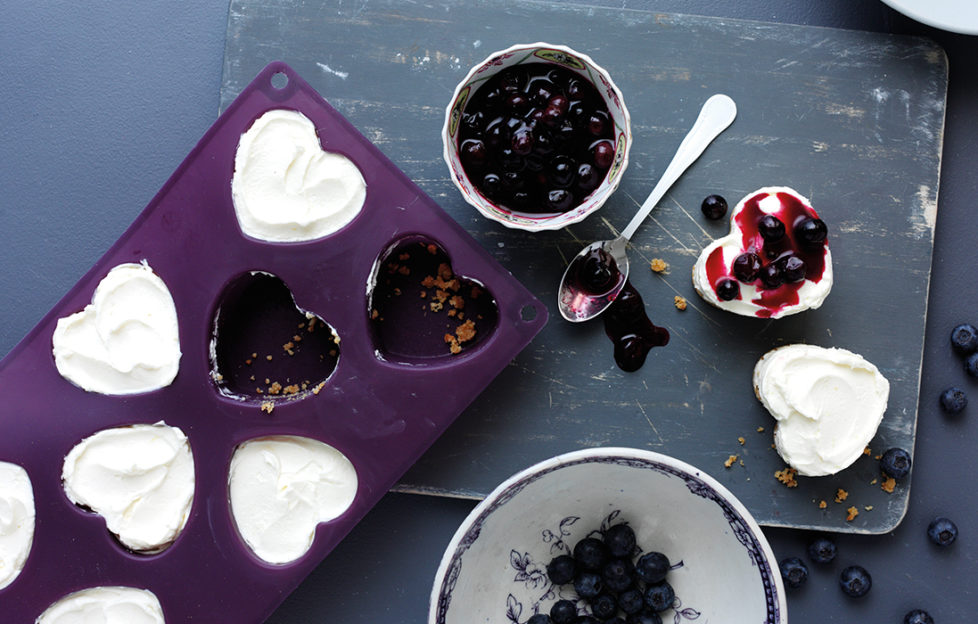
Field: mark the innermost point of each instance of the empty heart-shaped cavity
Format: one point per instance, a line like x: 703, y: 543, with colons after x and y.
x: 420, y: 309
x: 774, y: 262
x: 264, y: 347
x: 286, y: 188
x: 140, y: 479
x: 126, y: 341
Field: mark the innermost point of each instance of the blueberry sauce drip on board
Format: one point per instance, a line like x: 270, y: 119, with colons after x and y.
x: 631, y: 330
x: 536, y: 138
x: 786, y: 259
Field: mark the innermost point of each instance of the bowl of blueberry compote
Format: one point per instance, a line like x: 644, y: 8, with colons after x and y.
x: 537, y: 136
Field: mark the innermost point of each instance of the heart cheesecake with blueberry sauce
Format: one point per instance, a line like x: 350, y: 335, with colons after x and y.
x: 774, y: 262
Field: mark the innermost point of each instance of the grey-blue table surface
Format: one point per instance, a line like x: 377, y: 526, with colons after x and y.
x: 100, y: 101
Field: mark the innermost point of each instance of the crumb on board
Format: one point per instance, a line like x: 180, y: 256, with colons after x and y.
x: 874, y: 481
x: 760, y: 430
x: 742, y: 440
x: 841, y: 495
x: 866, y: 451
x: 730, y: 461
x: 868, y: 508
x: 888, y: 485
x: 787, y: 477
x: 658, y: 265
x: 680, y: 302
x: 822, y: 504
x: 853, y: 512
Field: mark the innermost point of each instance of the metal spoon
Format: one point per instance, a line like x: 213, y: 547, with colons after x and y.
x: 596, y: 275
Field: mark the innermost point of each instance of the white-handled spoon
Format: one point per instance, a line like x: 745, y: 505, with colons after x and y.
x: 597, y: 274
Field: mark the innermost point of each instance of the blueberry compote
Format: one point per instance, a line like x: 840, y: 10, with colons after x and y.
x: 536, y: 138
x: 779, y: 251
x: 631, y: 330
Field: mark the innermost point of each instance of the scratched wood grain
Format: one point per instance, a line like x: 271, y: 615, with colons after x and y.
x: 852, y: 120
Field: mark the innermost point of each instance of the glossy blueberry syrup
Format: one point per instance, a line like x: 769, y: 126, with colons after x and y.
x: 775, y: 256
x: 631, y: 330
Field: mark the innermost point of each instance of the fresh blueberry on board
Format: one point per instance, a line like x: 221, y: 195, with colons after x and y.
x: 714, y: 207
x: 971, y: 364
x: 896, y: 463
x: 918, y: 616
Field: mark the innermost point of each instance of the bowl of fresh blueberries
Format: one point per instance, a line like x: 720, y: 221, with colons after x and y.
x: 537, y: 136
x: 608, y: 535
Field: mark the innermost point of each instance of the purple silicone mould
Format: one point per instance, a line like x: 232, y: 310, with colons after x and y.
x: 381, y: 413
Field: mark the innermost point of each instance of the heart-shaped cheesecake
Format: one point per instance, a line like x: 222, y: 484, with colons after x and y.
x: 126, y: 341
x: 828, y: 404
x: 774, y: 262
x: 286, y: 188
x: 139, y: 478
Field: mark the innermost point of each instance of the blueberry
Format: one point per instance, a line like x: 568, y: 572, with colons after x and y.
x: 793, y: 269
x: 604, y: 606
x: 492, y: 185
x: 964, y: 338
x: 855, y: 581
x: 559, y: 200
x: 561, y: 569
x: 771, y: 229
x: 771, y: 276
x: 522, y: 142
x: 918, y: 616
x: 631, y: 601
x: 587, y: 619
x: 540, y: 618
x: 953, y: 400
x: 971, y: 364
x: 646, y: 616
x: 652, y: 567
x: 895, y: 462
x: 714, y: 207
x: 618, y: 574
x: 620, y: 540
x: 727, y: 289
x: 562, y: 171
x: 942, y: 531
x: 747, y: 266
x: 603, y: 153
x: 587, y: 178
x: 794, y: 572
x: 588, y: 585
x: 822, y: 550
x: 811, y: 231
x: 615, y: 620
x: 591, y: 553
x: 563, y: 612
x: 597, y: 123
x: 473, y: 153
x: 659, y: 596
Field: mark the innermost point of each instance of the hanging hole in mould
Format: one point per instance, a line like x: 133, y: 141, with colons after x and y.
x: 280, y: 80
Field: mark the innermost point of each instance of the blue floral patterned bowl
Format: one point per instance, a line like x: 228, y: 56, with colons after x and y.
x: 494, y: 569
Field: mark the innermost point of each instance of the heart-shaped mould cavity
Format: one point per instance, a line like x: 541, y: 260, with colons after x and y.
x: 420, y: 310
x: 264, y: 346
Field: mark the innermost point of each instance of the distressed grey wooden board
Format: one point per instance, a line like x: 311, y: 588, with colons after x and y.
x: 853, y: 120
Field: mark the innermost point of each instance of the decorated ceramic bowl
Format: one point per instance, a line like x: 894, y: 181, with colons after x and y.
x: 495, y: 568
x: 536, y: 214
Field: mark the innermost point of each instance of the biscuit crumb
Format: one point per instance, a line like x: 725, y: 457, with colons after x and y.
x: 741, y: 440
x: 787, y: 477
x: 888, y: 485
x: 319, y: 387
x: 853, y: 512
x: 291, y: 389
x: 267, y: 406
x: 760, y: 430
x: 841, y: 495
x: 465, y: 331
x: 866, y: 451
x: 275, y: 388
x: 658, y: 265
x: 868, y: 508
x: 268, y: 357
x: 680, y: 302
x: 403, y: 270
x: 730, y: 461
x: 822, y: 504
x: 432, y: 248
x: 874, y: 482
